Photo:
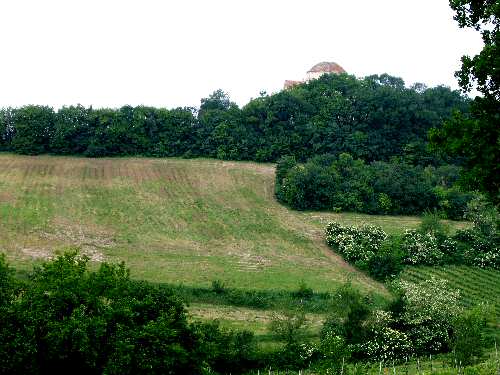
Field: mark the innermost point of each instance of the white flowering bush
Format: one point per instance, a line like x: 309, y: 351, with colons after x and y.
x: 483, y: 254
x: 449, y: 247
x: 355, y: 244
x: 483, y: 215
x: 388, y: 344
x: 421, y: 248
x: 481, y: 249
x: 430, y: 308
x: 306, y: 351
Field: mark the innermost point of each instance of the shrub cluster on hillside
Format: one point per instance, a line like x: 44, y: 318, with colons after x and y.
x: 372, y: 118
x: 424, y: 318
x: 371, y: 249
x: 346, y: 184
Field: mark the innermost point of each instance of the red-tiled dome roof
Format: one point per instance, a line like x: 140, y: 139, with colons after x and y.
x: 326, y: 67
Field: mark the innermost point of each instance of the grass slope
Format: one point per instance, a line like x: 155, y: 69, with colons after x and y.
x: 170, y: 220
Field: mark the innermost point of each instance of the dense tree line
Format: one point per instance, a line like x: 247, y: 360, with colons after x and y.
x: 373, y: 118
x: 343, y: 183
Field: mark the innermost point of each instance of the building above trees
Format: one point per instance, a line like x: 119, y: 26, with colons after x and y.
x: 325, y: 67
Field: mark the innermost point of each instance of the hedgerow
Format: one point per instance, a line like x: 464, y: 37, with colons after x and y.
x: 343, y: 183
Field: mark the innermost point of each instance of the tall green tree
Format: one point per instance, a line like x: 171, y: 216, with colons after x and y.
x: 217, y: 119
x: 476, y: 136
x: 72, y: 130
x: 34, y: 128
x: 6, y: 128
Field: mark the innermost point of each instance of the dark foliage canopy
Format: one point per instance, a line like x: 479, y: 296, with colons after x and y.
x: 67, y: 318
x: 374, y: 118
x: 476, y: 136
x: 347, y: 184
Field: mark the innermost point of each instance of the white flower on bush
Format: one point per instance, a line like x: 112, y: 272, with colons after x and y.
x: 481, y: 251
x: 388, y: 344
x: 355, y: 244
x: 486, y: 259
x: 429, y: 310
x: 420, y: 248
x: 379, y: 319
x: 306, y: 351
x: 449, y: 246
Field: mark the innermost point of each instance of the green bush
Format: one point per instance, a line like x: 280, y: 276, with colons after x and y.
x: 480, y: 245
x: 347, y: 319
x: 431, y: 222
x: 69, y: 318
x: 334, y: 352
x: 385, y: 265
x: 218, y: 287
x: 453, y: 202
x: 344, y: 183
x: 468, y: 341
x: 303, y: 292
x: 283, y: 166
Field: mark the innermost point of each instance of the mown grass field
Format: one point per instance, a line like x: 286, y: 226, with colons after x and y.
x: 179, y: 221
x: 170, y: 220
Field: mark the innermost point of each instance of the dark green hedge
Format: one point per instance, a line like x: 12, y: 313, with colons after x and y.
x: 346, y: 184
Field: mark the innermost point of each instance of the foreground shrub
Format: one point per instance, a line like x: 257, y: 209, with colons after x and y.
x: 421, y: 248
x: 67, y: 317
x: 348, y: 318
x: 468, y: 340
x: 425, y: 311
x: 289, y: 328
x: 334, y: 352
x: 386, y: 343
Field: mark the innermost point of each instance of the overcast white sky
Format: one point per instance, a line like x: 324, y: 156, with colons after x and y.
x: 172, y: 53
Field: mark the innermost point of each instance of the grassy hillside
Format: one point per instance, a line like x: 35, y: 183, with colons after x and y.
x: 170, y: 220
x: 188, y: 222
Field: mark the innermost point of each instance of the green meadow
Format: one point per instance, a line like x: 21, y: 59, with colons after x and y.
x: 189, y: 223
